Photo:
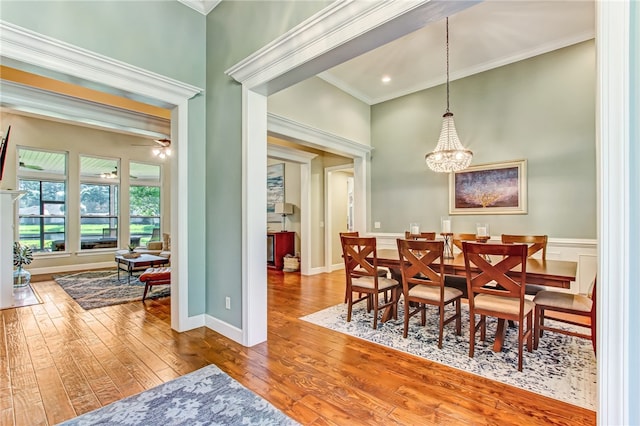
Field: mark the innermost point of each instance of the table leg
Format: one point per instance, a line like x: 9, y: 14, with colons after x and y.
x: 500, y: 332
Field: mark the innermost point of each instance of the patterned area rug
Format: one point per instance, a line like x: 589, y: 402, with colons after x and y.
x: 205, y: 397
x: 96, y: 289
x: 563, y: 367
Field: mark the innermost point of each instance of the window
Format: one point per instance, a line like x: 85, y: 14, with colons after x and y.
x: 99, y: 192
x: 42, y: 210
x: 144, y: 202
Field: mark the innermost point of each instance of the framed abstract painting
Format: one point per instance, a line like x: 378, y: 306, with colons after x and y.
x: 496, y: 188
x: 275, y: 190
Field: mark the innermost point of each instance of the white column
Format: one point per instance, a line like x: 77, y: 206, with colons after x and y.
x: 7, y: 221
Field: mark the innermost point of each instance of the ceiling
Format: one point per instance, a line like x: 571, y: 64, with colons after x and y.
x: 487, y: 35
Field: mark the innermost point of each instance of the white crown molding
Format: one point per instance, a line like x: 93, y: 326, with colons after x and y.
x: 202, y: 6
x: 27, y: 46
x: 315, y: 138
x: 28, y: 100
x: 289, y: 154
x: 360, y: 23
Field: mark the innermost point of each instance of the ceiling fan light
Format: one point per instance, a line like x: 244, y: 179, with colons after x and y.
x: 167, y: 151
x: 156, y: 151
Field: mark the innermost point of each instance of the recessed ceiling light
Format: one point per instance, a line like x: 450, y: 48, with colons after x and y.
x: 386, y: 79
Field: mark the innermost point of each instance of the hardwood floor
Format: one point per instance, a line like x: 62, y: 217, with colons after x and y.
x: 58, y: 361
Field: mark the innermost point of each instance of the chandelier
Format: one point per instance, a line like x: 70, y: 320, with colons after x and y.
x: 449, y: 155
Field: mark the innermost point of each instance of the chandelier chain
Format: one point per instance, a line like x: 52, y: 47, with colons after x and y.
x: 447, y: 20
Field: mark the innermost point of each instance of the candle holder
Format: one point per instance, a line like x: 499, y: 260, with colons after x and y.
x: 482, y: 231
x: 414, y: 228
x: 447, y: 253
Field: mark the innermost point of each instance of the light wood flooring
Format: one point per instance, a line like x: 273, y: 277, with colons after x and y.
x: 58, y: 361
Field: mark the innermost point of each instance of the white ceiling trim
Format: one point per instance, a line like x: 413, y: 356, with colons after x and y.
x: 202, y: 6
x: 293, y: 155
x: 264, y: 70
x: 42, y: 103
x: 314, y: 138
x: 30, y: 47
x: 466, y: 72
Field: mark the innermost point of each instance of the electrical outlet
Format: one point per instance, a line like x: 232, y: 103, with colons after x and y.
x: 376, y: 225
x: 227, y: 302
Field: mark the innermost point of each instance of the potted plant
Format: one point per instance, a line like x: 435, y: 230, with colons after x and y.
x: 22, y: 255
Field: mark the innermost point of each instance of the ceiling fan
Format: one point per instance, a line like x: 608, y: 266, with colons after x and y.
x: 30, y: 166
x: 163, y: 150
x: 114, y: 174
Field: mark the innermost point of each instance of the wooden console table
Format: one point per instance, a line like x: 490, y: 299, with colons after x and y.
x: 279, y: 244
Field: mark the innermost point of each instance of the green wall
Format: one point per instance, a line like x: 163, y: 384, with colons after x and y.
x: 235, y: 29
x: 165, y: 37
x: 541, y: 109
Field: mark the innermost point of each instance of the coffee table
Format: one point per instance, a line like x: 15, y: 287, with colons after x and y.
x: 138, y: 263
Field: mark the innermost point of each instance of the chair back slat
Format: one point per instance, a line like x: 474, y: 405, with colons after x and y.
x: 421, y: 262
x: 513, y: 255
x: 356, y: 250
x: 535, y: 243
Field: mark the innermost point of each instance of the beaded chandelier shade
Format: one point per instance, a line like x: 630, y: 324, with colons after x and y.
x: 449, y: 155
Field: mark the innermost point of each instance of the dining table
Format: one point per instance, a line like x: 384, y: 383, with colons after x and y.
x: 551, y: 273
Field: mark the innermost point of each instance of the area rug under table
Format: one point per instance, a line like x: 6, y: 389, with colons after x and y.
x: 205, y: 397
x: 563, y: 367
x: 96, y: 289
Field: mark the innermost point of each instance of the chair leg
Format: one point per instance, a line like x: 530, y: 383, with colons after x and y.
x: 536, y: 328
x: 458, y: 318
x: 375, y: 311
x: 406, y: 317
x: 483, y: 328
x: 472, y: 334
x: 146, y: 289
x: 441, y: 327
x: 520, y: 345
x: 349, y: 306
x: 530, y: 332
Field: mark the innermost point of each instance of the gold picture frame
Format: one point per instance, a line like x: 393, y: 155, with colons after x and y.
x: 495, y: 188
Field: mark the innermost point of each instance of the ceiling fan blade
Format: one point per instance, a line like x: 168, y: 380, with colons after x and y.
x: 30, y: 166
x: 163, y: 142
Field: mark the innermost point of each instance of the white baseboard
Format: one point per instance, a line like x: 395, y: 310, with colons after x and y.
x: 318, y: 270
x: 190, y: 323
x: 224, y: 328
x: 71, y: 268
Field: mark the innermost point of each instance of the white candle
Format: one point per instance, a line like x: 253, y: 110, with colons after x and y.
x: 482, y: 231
x: 446, y: 226
x: 415, y: 229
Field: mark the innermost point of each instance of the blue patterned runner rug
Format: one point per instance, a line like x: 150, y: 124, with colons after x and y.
x: 563, y: 367
x: 205, y: 397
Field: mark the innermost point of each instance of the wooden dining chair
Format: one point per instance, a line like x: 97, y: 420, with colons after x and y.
x: 382, y: 272
x: 458, y: 239
x: 421, y: 236
x: 455, y: 281
x: 423, y: 283
x: 362, y: 277
x: 494, y: 293
x: 535, y: 243
x: 566, y: 303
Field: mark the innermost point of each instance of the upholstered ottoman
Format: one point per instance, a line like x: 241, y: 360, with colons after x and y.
x: 155, y: 276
